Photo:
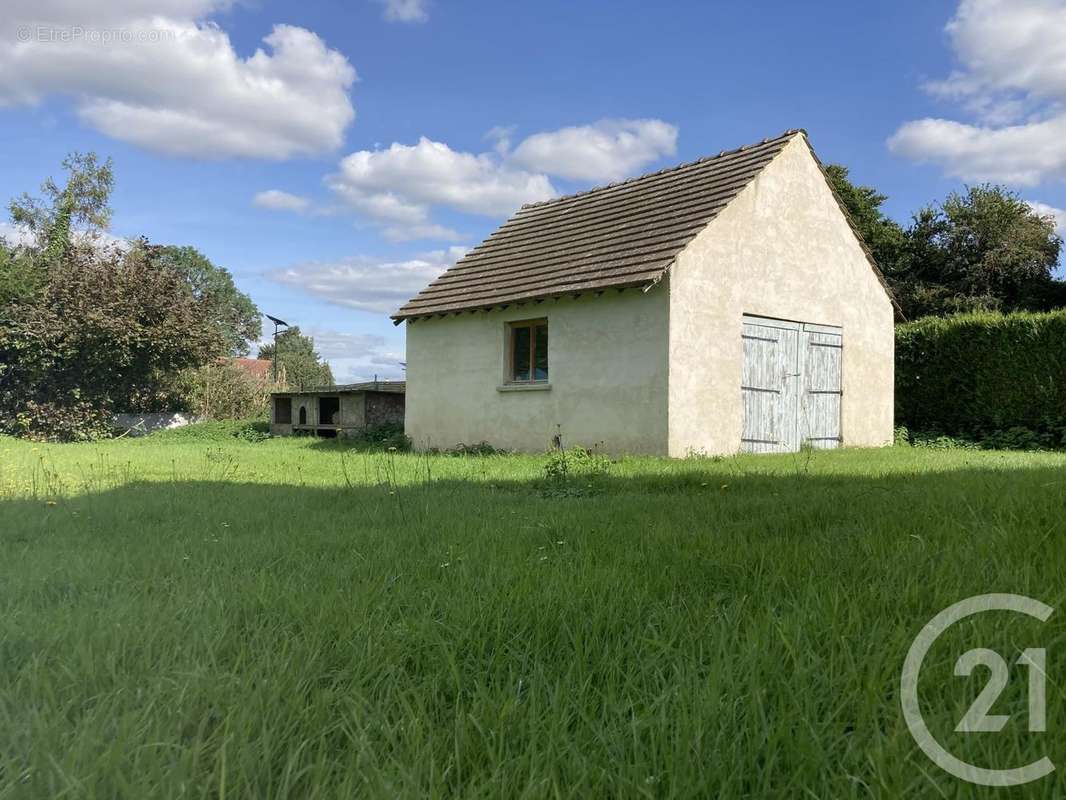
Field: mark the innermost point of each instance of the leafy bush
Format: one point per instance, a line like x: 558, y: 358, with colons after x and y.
x: 576, y: 472
x: 933, y: 440
x: 386, y: 436
x: 984, y: 376
x: 256, y: 430
x: 73, y: 420
x: 103, y: 332
x: 1017, y: 437
x: 479, y: 449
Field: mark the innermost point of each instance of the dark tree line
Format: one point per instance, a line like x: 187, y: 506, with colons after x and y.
x: 981, y: 249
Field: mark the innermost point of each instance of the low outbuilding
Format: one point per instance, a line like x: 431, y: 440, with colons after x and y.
x: 332, y: 411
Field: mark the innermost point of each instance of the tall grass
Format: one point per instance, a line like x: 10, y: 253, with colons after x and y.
x: 181, y: 618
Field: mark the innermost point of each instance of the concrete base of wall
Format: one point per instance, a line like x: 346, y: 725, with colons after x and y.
x: 142, y: 424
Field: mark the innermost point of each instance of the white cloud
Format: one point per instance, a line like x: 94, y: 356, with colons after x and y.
x: 398, y: 186
x: 1059, y: 214
x: 169, y: 80
x: 20, y: 236
x: 16, y: 235
x: 365, y: 283
x: 604, y: 151
x: 1023, y: 155
x: 405, y: 178
x: 405, y: 10
x: 500, y: 136
x: 429, y: 230
x: 1012, y: 78
x: 277, y: 200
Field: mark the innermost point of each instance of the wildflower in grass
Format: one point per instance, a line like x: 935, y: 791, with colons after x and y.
x: 446, y: 564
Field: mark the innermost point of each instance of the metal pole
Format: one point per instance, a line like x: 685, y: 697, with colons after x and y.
x: 278, y: 323
x: 275, y: 354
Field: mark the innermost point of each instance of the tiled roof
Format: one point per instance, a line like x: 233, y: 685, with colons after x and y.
x: 615, y: 236
x: 256, y: 367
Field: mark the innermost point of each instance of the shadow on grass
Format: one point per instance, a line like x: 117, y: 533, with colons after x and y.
x: 725, y: 632
x: 381, y: 490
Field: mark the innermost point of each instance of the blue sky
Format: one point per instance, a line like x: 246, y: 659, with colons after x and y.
x: 369, y: 142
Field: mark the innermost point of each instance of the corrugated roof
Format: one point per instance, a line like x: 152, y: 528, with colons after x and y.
x: 367, y: 386
x: 394, y: 387
x: 615, y: 236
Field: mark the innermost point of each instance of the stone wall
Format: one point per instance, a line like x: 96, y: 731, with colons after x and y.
x: 384, y: 407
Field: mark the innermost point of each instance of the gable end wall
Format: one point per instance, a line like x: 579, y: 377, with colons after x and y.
x: 782, y: 249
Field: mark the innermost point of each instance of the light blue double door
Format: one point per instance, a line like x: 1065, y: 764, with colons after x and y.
x: 790, y: 385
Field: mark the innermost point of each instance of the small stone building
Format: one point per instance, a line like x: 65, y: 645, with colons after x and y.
x: 331, y: 411
x: 719, y: 306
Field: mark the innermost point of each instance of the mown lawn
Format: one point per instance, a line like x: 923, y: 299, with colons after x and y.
x: 191, y: 618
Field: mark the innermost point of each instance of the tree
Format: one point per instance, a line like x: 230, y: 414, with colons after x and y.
x: 296, y: 353
x: 982, y: 249
x: 20, y: 276
x: 231, y: 311
x: 883, y: 235
x: 222, y: 390
x: 81, y: 202
x: 106, y: 332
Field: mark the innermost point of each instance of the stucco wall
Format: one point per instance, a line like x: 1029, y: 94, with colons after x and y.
x: 780, y: 249
x: 607, y: 363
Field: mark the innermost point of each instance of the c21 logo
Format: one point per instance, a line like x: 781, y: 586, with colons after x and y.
x: 977, y: 718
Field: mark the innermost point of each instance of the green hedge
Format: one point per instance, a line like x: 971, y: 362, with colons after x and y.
x: 975, y: 374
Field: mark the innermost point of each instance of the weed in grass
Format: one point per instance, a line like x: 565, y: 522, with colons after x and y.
x: 576, y: 472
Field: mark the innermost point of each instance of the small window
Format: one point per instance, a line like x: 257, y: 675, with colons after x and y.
x: 283, y: 410
x: 528, y: 358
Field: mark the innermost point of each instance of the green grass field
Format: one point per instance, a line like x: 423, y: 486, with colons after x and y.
x: 184, y: 617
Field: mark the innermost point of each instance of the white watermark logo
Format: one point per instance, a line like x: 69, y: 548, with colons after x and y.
x: 977, y: 719
x: 77, y: 34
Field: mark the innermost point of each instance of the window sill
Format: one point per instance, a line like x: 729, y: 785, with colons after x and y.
x: 540, y: 386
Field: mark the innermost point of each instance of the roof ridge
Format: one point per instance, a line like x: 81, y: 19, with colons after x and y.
x: 787, y: 134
